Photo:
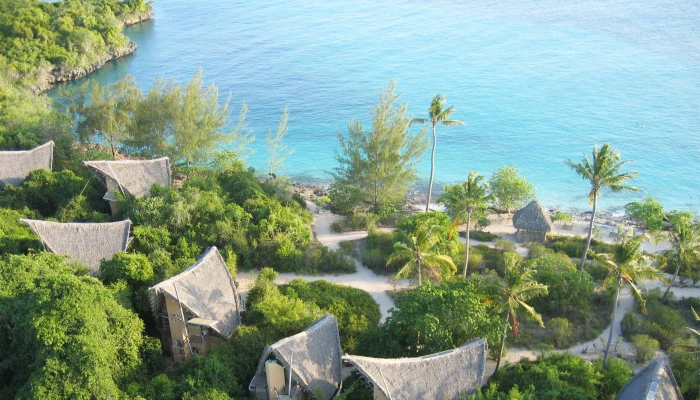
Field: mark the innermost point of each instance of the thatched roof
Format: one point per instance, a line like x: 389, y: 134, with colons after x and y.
x: 654, y: 382
x: 533, y: 217
x: 206, y: 290
x: 134, y: 177
x: 88, y: 243
x: 316, y: 353
x: 16, y: 165
x: 446, y: 375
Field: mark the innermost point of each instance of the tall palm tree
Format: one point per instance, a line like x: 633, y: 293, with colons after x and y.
x: 685, y: 242
x: 603, y: 171
x: 463, y: 200
x: 436, y: 115
x: 421, y: 252
x: 626, y: 266
x: 511, y: 294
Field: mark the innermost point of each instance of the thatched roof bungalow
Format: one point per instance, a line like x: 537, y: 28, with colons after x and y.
x: 89, y: 243
x: 447, y: 375
x: 314, y: 358
x: 134, y: 177
x: 16, y: 165
x: 654, y: 382
x: 532, y: 222
x: 197, y: 308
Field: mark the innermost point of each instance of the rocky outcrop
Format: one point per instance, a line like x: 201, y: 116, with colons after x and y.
x: 135, y: 19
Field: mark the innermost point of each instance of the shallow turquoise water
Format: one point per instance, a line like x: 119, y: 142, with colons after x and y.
x: 534, y: 83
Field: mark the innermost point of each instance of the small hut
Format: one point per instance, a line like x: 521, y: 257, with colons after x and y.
x: 16, y: 165
x: 197, y: 308
x: 89, y: 243
x: 308, y: 362
x: 451, y: 374
x: 133, y: 177
x: 654, y: 382
x: 532, y: 222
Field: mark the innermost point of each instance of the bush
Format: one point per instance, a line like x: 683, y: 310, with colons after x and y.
x: 321, y: 260
x: 645, y: 348
x: 131, y: 268
x: 482, y: 236
x: 338, y: 226
x: 363, y: 221
x: 561, y: 331
x: 573, y: 246
x: 615, y: 377
x: 375, y: 252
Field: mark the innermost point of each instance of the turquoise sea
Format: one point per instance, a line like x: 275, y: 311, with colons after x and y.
x: 535, y: 82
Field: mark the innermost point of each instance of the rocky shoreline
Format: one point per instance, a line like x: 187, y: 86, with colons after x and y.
x: 59, y: 73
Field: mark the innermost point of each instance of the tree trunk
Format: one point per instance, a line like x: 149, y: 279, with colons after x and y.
x: 590, y: 234
x: 420, y: 280
x: 503, y: 345
x: 673, y: 280
x: 466, y: 259
x: 432, y: 170
x: 612, y: 325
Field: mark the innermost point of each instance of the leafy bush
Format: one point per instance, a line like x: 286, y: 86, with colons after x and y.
x: 363, y: 221
x: 561, y: 330
x: 375, y: 252
x: 482, y: 236
x: 338, y: 226
x: 645, y: 348
x: 321, y: 260
x: 573, y: 246
x: 662, y: 322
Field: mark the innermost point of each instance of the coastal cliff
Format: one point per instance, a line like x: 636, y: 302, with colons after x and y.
x: 59, y: 73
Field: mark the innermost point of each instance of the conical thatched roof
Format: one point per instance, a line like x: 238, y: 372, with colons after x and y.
x: 533, y: 217
x: 88, y: 243
x: 134, y: 177
x: 654, y: 382
x: 16, y: 165
x: 316, y: 357
x: 446, y: 375
x: 206, y: 289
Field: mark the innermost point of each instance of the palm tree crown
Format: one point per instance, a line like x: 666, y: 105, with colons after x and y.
x: 436, y: 115
x: 626, y: 266
x: 511, y: 294
x: 465, y: 200
x: 685, y: 246
x: 603, y: 171
x: 421, y: 253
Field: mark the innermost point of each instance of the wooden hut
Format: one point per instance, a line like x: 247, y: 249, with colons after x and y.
x: 88, y: 243
x: 451, y: 374
x: 197, y: 308
x: 16, y: 165
x: 133, y: 177
x: 654, y: 382
x: 304, y: 366
x: 532, y: 223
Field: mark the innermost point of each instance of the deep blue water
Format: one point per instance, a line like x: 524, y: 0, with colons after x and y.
x: 535, y: 82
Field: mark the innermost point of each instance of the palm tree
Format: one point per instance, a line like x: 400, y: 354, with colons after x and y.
x: 601, y: 172
x: 421, y: 252
x: 692, y: 351
x: 436, y: 115
x: 464, y: 200
x: 511, y: 294
x: 626, y: 266
x: 685, y: 242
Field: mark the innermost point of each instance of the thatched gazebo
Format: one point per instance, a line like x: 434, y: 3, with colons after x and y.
x: 654, y: 382
x: 16, y: 165
x: 197, y: 308
x: 451, y: 374
x: 532, y: 222
x: 89, y: 243
x: 314, y: 358
x: 133, y: 177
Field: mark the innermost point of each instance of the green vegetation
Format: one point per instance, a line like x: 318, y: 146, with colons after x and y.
x: 436, y: 115
x: 649, y: 213
x: 421, y: 253
x: 512, y: 191
x: 377, y: 167
x: 557, y: 376
x: 37, y: 36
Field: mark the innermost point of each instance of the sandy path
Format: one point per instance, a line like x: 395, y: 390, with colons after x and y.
x: 364, y: 278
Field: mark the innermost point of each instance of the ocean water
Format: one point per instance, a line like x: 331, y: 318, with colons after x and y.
x: 534, y: 82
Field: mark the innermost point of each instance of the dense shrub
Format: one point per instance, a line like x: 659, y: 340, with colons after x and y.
x: 338, y: 226
x: 363, y: 221
x: 661, y: 322
x: 645, y: 348
x: 481, y: 236
x: 16, y: 237
x: 355, y: 309
x: 375, y: 252
x: 557, y: 376
x: 561, y: 330
x: 321, y: 260
x: 573, y: 246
